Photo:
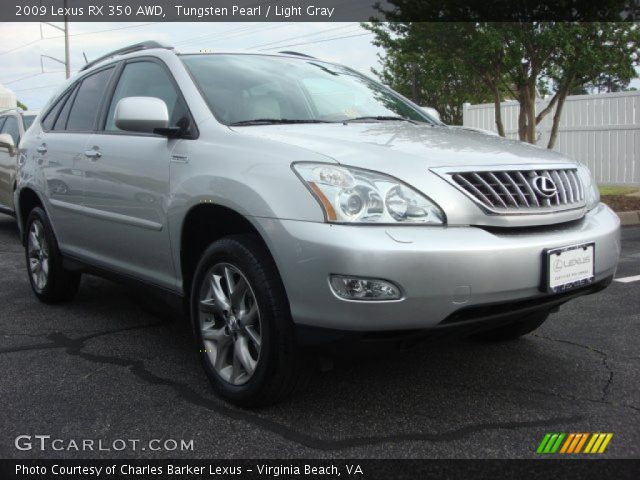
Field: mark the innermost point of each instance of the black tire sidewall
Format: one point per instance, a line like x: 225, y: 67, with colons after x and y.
x: 40, y: 215
x: 237, y: 252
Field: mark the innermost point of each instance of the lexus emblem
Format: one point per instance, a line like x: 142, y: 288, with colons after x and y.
x: 544, y: 186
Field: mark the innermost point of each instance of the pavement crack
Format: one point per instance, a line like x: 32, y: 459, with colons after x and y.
x: 603, y: 355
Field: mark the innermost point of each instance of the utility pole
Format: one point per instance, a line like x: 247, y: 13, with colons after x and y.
x: 67, y: 59
x: 65, y: 30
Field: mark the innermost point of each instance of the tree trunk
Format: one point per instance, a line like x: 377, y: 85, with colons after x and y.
x: 564, y: 91
x: 498, y: 111
x: 522, y: 115
x: 531, y: 112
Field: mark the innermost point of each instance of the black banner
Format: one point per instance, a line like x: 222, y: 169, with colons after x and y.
x: 317, y: 10
x: 330, y: 469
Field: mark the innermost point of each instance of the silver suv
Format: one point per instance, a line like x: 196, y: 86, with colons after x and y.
x: 287, y: 200
x: 13, y: 123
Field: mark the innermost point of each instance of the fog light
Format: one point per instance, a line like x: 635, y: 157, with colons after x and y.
x: 367, y: 289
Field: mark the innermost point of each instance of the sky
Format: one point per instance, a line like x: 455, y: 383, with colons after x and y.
x: 34, y: 78
x: 21, y: 46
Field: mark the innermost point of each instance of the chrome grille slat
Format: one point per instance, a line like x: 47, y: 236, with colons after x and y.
x: 529, y: 189
x: 502, y: 187
x: 561, y: 188
x: 473, y: 188
x: 493, y: 193
x: 517, y: 188
x: 569, y: 187
x: 519, y: 191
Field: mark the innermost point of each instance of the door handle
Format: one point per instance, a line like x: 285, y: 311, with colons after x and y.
x: 93, y: 154
x: 42, y: 148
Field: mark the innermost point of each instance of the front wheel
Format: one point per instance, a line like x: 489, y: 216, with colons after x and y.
x: 242, y: 323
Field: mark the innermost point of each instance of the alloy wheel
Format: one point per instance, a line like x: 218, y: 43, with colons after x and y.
x: 38, y: 254
x: 229, y: 322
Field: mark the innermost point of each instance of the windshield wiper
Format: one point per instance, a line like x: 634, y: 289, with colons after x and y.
x: 273, y: 121
x: 380, y: 118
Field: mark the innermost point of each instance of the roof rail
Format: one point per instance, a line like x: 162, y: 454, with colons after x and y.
x: 130, y: 49
x: 298, y: 54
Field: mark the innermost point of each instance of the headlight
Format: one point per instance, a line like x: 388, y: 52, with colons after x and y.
x: 591, y: 192
x: 353, y: 195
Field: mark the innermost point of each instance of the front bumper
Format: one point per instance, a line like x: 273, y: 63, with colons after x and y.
x: 441, y: 270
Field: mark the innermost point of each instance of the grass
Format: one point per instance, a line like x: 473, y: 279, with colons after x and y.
x: 613, y: 190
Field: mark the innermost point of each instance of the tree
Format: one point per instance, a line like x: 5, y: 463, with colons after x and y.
x: 414, y: 66
x: 591, y: 53
x: 518, y: 59
x: 21, y: 105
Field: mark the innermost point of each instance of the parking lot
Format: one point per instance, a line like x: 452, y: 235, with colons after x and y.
x: 115, y: 364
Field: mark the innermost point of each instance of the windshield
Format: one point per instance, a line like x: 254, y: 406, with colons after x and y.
x: 28, y: 120
x: 244, y: 88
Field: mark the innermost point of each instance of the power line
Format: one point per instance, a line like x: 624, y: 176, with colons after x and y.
x: 76, y: 35
x: 234, y: 33
x: 31, y: 76
x: 22, y: 46
x: 301, y: 36
x: 109, y: 30
x: 320, y: 41
x: 41, y: 87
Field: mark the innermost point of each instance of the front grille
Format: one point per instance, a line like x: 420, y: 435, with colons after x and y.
x: 504, y: 191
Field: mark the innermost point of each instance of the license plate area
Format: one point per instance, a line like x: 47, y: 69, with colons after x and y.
x: 567, y: 268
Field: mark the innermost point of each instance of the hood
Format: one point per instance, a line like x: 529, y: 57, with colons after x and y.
x: 381, y: 145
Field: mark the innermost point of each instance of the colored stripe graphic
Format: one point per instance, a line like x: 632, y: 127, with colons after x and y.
x: 550, y: 443
x: 543, y: 443
x: 567, y: 443
x: 583, y: 439
x: 598, y: 443
x: 592, y: 440
x: 573, y: 443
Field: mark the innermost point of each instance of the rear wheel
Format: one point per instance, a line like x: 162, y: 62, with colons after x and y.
x: 242, y: 323
x: 514, y: 330
x: 48, y: 278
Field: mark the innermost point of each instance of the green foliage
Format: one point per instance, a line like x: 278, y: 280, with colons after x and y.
x: 446, y: 64
x: 22, y: 105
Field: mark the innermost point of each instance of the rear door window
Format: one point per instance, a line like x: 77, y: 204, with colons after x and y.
x: 85, y: 107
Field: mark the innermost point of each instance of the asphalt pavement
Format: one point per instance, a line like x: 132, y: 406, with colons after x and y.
x: 116, y: 365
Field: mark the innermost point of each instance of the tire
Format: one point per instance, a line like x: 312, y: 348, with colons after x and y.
x: 514, y: 330
x: 48, y: 278
x: 245, y: 337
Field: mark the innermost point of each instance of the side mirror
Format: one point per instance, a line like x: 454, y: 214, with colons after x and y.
x: 141, y: 114
x: 432, y: 112
x: 6, y: 141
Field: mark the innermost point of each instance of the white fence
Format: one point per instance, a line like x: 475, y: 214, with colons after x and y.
x: 602, y: 131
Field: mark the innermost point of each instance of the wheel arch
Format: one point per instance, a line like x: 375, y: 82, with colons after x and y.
x: 204, y: 224
x: 26, y: 201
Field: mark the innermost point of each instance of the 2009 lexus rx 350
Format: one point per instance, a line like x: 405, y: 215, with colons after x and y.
x: 281, y: 193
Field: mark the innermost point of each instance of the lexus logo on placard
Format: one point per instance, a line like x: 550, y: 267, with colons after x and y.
x: 544, y: 186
